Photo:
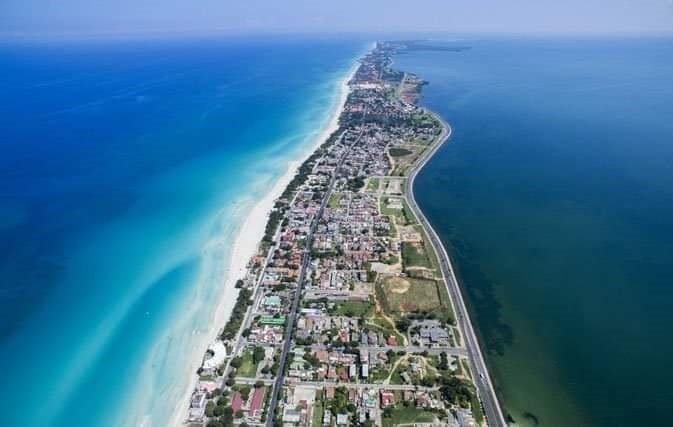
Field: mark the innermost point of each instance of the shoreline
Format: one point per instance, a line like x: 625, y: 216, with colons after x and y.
x: 248, y: 238
x: 487, y: 393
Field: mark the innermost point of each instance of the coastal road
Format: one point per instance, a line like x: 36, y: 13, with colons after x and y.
x: 482, y: 379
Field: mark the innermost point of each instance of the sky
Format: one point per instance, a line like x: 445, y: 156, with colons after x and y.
x: 34, y: 17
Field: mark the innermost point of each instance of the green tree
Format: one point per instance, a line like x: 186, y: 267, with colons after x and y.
x: 236, y: 362
x: 210, y: 407
x: 258, y: 354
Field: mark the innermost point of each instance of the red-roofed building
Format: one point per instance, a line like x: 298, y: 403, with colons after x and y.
x: 257, y: 402
x: 236, y: 402
x: 322, y: 356
x: 387, y: 399
x: 423, y: 401
x: 331, y: 373
x: 343, y: 335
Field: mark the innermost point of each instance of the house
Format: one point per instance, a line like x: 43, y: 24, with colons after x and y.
x: 322, y: 356
x: 332, y: 374
x: 387, y: 399
x: 352, y: 371
x: 423, y: 401
x: 342, y: 419
x: 272, y: 302
x: 257, y: 402
x: 197, y: 406
x: 291, y: 415
x: 236, y: 402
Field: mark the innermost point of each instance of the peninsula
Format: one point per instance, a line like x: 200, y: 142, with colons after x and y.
x: 350, y: 314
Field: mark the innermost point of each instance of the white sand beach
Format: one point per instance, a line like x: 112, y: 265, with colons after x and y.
x: 248, y: 238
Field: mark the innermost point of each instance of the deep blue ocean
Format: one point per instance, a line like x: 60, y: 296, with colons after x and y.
x: 126, y: 168
x: 555, y: 197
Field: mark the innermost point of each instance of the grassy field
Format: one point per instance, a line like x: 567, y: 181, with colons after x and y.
x: 477, y: 411
x: 429, y: 249
x: 431, y: 256
x: 406, y: 294
x: 403, y: 216
x: 379, y: 375
x: 405, y: 157
x: 334, y: 200
x: 380, y: 324
x: 385, y: 210
x: 373, y: 184
x: 408, y: 214
x: 318, y: 409
x: 407, y: 415
x: 393, y: 229
x: 414, y: 255
x: 353, y: 308
x: 396, y: 377
x: 248, y: 368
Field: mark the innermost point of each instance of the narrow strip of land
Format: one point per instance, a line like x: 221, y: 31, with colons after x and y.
x: 483, y: 380
x: 350, y: 313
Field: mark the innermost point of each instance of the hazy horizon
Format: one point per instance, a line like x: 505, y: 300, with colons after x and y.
x: 520, y: 17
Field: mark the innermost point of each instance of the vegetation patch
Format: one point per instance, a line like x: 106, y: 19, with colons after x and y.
x: 352, y: 308
x: 318, y: 409
x: 373, y: 184
x: 406, y: 294
x: 405, y: 415
x: 238, y: 314
x: 399, y: 152
x: 246, y: 365
x: 414, y: 255
x: 335, y: 200
x: 408, y: 214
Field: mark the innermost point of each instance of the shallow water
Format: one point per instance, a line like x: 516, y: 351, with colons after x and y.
x: 127, y: 168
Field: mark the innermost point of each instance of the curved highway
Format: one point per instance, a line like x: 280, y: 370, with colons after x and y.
x: 492, y: 410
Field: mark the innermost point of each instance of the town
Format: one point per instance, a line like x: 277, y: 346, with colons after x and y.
x: 344, y: 317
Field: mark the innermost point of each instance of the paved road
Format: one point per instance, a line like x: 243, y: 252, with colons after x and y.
x: 240, y: 341
x: 482, y: 379
x: 450, y: 351
x: 297, y: 295
x: 321, y: 384
x: 292, y: 315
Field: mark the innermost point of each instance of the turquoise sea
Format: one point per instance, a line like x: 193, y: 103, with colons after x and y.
x: 126, y: 169
x: 555, y: 197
